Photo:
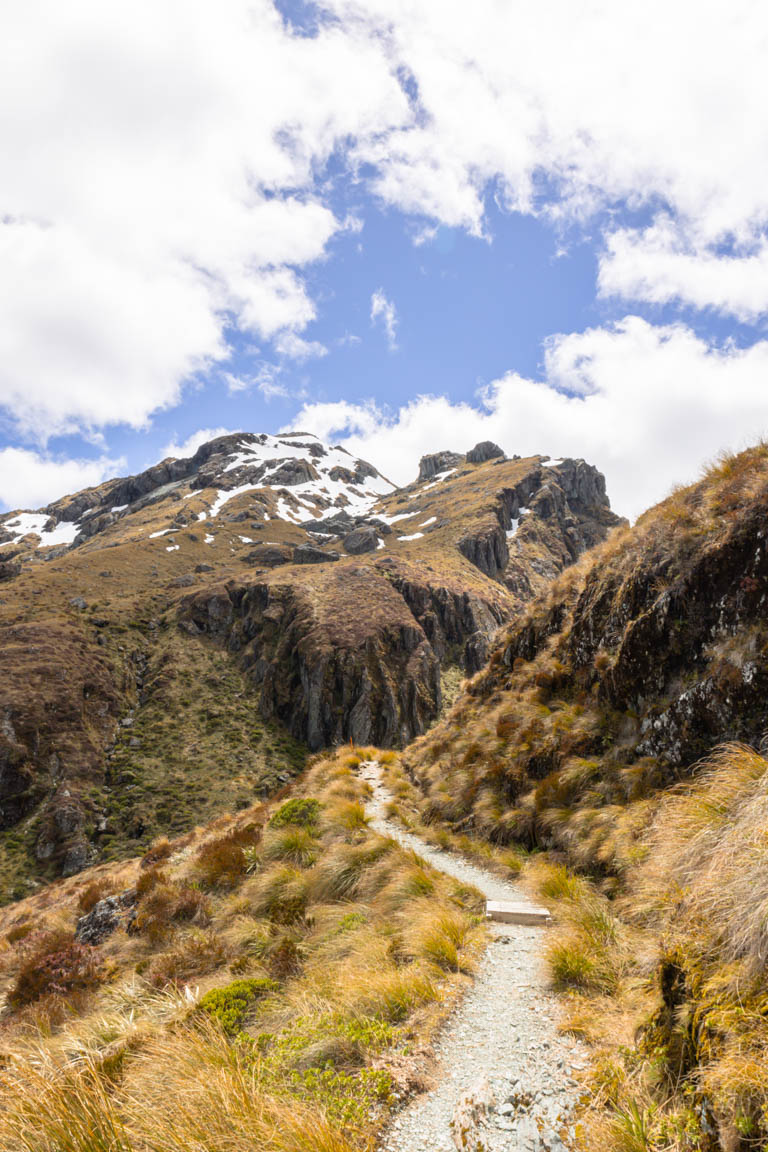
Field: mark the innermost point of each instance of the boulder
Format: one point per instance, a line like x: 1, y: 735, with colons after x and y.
x: 361, y: 540
x: 104, y: 918
x: 9, y: 569
x: 270, y: 555
x: 485, y: 450
x: 309, y: 554
x: 294, y: 472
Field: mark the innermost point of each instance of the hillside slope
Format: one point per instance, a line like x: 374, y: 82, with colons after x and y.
x: 612, y: 685
x: 266, y: 983
x: 171, y: 642
x: 584, y: 736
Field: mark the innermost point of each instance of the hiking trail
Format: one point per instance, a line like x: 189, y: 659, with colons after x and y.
x: 505, y: 1077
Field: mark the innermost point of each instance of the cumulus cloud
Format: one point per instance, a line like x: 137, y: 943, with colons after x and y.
x: 189, y: 446
x: 661, y: 264
x: 32, y: 479
x: 383, y: 311
x: 159, y: 188
x: 164, y: 180
x: 648, y: 405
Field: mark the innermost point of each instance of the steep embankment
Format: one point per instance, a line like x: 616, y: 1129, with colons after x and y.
x: 611, y: 686
x: 584, y: 736
x: 169, y: 641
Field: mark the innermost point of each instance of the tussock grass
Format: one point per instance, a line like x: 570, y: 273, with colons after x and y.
x: 267, y: 1017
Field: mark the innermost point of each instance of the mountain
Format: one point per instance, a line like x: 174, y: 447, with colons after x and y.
x: 174, y: 642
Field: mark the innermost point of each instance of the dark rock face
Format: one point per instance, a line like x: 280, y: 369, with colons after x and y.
x: 270, y: 555
x: 361, y: 540
x: 458, y: 625
x: 51, y: 727
x: 487, y: 550
x: 294, y: 472
x: 429, y: 466
x: 358, y: 666
x: 485, y: 450
x: 308, y: 554
x: 662, y: 626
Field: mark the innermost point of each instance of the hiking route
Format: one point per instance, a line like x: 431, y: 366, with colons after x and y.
x: 505, y: 1075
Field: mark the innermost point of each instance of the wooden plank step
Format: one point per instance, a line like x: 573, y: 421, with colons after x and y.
x: 508, y: 912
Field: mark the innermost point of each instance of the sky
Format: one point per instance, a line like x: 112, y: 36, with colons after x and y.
x: 403, y: 225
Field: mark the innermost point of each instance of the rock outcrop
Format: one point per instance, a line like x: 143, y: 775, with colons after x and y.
x: 485, y: 450
x: 430, y: 466
x: 615, y: 684
x: 357, y: 666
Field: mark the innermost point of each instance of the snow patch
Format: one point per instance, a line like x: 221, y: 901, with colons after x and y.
x: 33, y: 523
x: 432, y: 520
x: 439, y: 477
x: 415, y: 536
x: 394, y: 519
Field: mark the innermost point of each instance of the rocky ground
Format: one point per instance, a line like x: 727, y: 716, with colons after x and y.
x: 505, y: 1078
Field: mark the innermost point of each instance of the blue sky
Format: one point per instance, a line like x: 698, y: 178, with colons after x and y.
x: 400, y: 229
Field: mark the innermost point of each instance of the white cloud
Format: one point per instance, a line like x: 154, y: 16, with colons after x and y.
x: 648, y: 405
x: 506, y: 89
x: 384, y: 311
x: 294, y: 347
x: 661, y: 264
x: 32, y: 479
x: 163, y: 177
x: 159, y: 186
x: 189, y: 446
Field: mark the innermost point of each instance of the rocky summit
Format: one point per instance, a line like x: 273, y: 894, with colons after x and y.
x: 268, y: 595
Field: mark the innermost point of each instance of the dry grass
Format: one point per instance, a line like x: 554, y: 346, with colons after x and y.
x: 337, y: 952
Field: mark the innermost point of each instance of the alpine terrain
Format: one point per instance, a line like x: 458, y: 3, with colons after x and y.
x: 276, y: 734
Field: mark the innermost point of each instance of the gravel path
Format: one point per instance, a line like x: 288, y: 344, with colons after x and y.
x: 504, y: 1075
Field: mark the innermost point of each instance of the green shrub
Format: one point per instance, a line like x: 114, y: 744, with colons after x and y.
x: 303, y: 811
x: 230, y: 1006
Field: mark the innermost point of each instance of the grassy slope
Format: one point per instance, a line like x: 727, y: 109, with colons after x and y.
x: 660, y: 947
x: 275, y: 991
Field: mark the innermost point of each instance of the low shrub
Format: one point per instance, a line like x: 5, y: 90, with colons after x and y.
x: 19, y: 932
x: 195, y: 954
x: 281, y: 895
x: 94, y: 892
x: 294, y: 844
x: 221, y: 863
x: 166, y: 905
x: 230, y: 1006
x: 159, y: 851
x: 301, y: 810
x: 54, y: 963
